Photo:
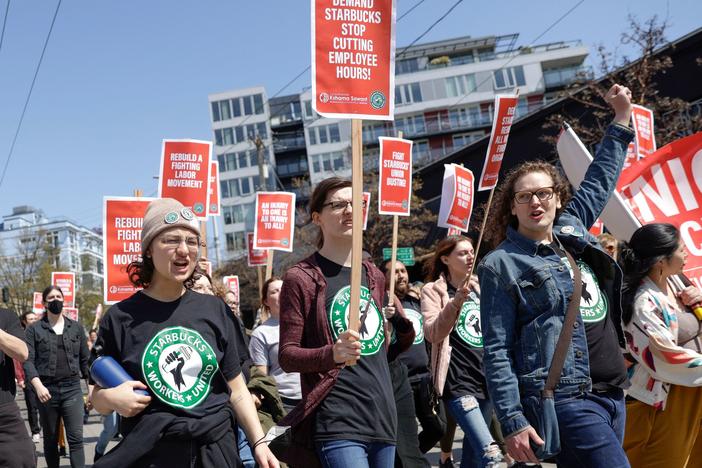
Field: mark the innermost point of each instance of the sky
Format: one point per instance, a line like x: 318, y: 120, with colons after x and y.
x: 119, y: 76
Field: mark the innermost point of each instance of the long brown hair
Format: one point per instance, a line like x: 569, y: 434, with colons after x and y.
x: 319, y: 197
x: 501, y: 210
x: 264, y: 291
x: 434, y: 267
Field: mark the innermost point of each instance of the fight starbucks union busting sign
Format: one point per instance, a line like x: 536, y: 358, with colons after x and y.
x: 371, y: 329
x: 178, y: 365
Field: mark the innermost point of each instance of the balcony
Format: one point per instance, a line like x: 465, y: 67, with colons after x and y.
x: 564, y: 76
x: 454, y: 121
x: 288, y: 144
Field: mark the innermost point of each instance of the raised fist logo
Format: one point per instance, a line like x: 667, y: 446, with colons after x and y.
x: 174, y: 364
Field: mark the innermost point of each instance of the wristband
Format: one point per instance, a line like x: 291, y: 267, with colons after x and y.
x: 258, y: 442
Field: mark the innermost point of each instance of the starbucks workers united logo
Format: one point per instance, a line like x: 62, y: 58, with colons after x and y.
x: 593, y: 304
x: 178, y: 365
x: 417, y: 323
x: 371, y: 320
x: 468, y: 324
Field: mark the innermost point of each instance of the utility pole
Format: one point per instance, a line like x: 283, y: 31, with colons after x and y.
x: 260, y: 147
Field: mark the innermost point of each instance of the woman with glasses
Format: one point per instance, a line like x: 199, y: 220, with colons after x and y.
x: 526, y: 283
x: 180, y: 347
x: 347, y: 416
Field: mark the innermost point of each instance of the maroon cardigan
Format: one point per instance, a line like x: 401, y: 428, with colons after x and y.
x: 306, y: 346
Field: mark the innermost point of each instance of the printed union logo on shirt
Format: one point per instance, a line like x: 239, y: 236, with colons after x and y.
x: 372, y: 331
x: 593, y: 304
x: 417, y: 322
x: 468, y: 324
x: 178, y: 366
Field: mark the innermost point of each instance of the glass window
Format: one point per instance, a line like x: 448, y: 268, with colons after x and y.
x: 228, y: 138
x: 243, y: 159
x: 315, y: 163
x: 227, y: 212
x: 221, y: 159
x: 234, y: 188
x: 451, y: 86
x: 239, y: 134
x: 334, y: 133
x: 326, y: 159
x: 224, y: 109
x: 499, y: 79
x: 338, y: 160
x: 519, y: 75
x: 245, y: 186
x: 248, y: 107
x: 230, y: 241
x: 261, y: 129
x: 312, y: 134
x: 224, y: 186
x: 323, y: 134
x: 416, y: 92
x: 258, y: 103
x: 237, y: 214
x: 236, y: 107
x: 218, y: 138
x: 215, y: 112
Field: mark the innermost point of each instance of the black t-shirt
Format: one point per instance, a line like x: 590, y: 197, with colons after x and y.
x: 184, y: 351
x: 63, y: 370
x: 361, y: 405
x: 415, y: 358
x: 465, y: 373
x: 607, y: 369
x: 9, y: 323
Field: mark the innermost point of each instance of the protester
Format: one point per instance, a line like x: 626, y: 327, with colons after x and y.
x: 58, y: 358
x: 526, y: 284
x: 347, y: 414
x: 451, y: 309
x: 263, y: 346
x: 664, y: 405
x: 609, y: 244
x: 16, y: 448
x: 30, y: 397
x: 183, y: 346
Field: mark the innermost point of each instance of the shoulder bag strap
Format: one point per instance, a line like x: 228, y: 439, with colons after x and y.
x: 554, y: 373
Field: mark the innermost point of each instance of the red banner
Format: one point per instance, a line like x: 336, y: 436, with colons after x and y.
x: 275, y: 221
x: 353, y: 59
x: 231, y: 283
x: 505, y: 108
x: 121, y: 243
x: 366, y: 208
x: 642, y: 119
x: 597, y: 228
x: 456, y: 197
x: 666, y: 187
x: 395, y: 180
x: 214, y: 208
x: 65, y: 280
x: 37, y: 303
x: 71, y: 313
x: 256, y: 257
x: 185, y: 173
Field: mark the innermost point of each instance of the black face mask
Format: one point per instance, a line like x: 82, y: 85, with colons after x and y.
x: 55, y: 307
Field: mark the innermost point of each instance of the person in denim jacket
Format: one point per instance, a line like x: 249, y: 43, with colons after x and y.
x: 526, y: 283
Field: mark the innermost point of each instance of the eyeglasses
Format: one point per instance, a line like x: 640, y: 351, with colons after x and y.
x: 173, y: 242
x: 543, y: 194
x: 341, y: 205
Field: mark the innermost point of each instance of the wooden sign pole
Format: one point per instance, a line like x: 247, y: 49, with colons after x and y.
x: 393, y: 255
x: 259, y: 272
x: 269, y: 265
x: 203, y: 240
x: 357, y: 221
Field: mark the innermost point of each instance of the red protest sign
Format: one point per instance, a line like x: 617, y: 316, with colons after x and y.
x: 453, y: 232
x: 213, y: 207
x: 71, y: 313
x: 631, y: 156
x: 642, y: 119
x: 65, y: 280
x: 366, y: 208
x: 121, y: 243
x: 395, y: 181
x: 597, y: 228
x: 353, y: 59
x: 37, y: 303
x: 456, y: 197
x: 185, y: 173
x: 275, y: 221
x: 231, y: 283
x: 255, y: 257
x: 666, y: 187
x: 505, y: 108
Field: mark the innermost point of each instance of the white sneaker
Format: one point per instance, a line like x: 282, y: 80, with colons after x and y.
x: 35, y: 438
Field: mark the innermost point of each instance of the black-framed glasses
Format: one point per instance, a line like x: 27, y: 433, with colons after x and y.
x: 341, y: 205
x: 525, y: 196
x: 173, y: 242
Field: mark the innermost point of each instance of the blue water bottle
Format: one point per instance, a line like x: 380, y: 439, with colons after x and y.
x: 107, y: 373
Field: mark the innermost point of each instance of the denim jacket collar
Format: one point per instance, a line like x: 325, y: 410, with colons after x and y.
x: 529, y: 246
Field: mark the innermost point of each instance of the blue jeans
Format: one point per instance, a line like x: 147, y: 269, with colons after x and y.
x: 356, y: 454
x: 245, y: 453
x: 591, y: 427
x: 473, y: 415
x: 109, y: 430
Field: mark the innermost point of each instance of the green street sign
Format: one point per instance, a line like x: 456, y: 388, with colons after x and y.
x: 404, y: 254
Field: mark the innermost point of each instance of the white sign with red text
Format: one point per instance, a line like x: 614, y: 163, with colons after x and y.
x: 456, y: 197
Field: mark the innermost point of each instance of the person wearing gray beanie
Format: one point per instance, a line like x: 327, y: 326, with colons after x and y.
x: 179, y: 346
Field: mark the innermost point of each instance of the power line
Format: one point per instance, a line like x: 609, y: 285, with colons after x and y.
x: 410, y: 10
x: 441, y: 18
x: 4, y: 23
x: 29, y: 94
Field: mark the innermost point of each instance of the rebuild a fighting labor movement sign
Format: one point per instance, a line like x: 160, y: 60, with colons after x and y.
x: 178, y: 366
x: 255, y: 257
x: 371, y: 329
x: 122, y: 219
x: 505, y: 108
x: 71, y: 313
x: 37, y: 303
x: 275, y: 221
x: 353, y: 58
x: 456, y: 197
x: 65, y: 280
x: 231, y: 283
x: 185, y: 174
x: 395, y: 181
x: 213, y: 207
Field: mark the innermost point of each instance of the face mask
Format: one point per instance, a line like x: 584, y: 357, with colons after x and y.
x: 55, y: 307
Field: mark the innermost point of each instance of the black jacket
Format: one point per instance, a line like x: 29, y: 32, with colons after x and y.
x: 42, y: 343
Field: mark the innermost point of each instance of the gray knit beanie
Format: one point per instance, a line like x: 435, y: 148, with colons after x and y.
x: 166, y: 213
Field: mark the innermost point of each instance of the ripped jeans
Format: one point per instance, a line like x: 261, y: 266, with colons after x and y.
x: 473, y: 415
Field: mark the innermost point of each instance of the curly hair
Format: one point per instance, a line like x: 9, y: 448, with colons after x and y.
x: 501, y: 210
